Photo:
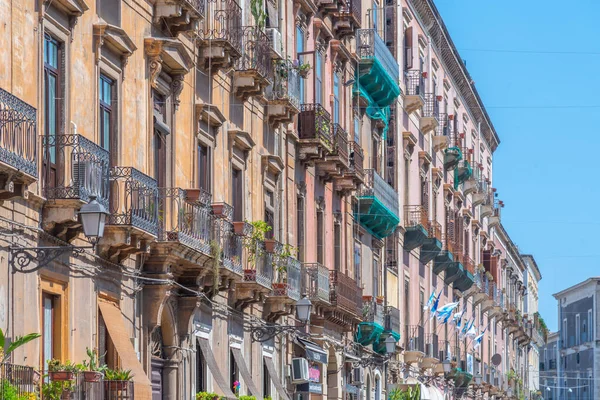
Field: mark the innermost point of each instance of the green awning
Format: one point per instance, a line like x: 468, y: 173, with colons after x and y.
x: 368, y: 332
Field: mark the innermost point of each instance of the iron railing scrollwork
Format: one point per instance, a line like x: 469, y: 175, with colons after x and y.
x: 288, y: 277
x: 432, y: 345
x: 352, y: 8
x: 392, y: 319
x: 223, y: 23
x: 256, y: 52
x: 197, y: 6
x: 18, y: 134
x: 415, y: 338
x: 286, y: 83
x: 133, y: 200
x: 314, y: 122
x: 415, y: 83
x: 315, y: 282
x: 416, y: 215
x: 75, y: 168
x: 340, y: 142
x: 373, y: 311
x: 230, y: 244
x: 370, y: 46
x: 356, y: 158
x: 431, y: 108
x: 260, y: 270
x: 376, y: 186
x: 345, y: 293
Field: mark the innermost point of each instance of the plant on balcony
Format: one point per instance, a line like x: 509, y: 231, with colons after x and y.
x: 511, y: 376
x: 302, y: 68
x: 489, y: 275
x: 117, y: 379
x: 411, y: 393
x: 254, y: 243
x: 480, y: 268
x: 281, y: 69
x: 247, y: 397
x: 19, y: 341
x: 258, y: 12
x: 93, y: 371
x: 57, y: 390
x: 216, y: 252
x: 9, y: 391
x: 58, y: 371
x: 207, y: 396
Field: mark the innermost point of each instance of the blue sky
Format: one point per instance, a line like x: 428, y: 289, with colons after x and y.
x: 536, y: 65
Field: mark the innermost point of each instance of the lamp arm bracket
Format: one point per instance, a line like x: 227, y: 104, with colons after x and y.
x: 32, y: 259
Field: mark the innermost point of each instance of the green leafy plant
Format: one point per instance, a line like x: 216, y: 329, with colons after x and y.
x: 247, y: 398
x: 91, y: 364
x: 118, y: 375
x: 489, y: 276
x: 258, y: 12
x: 54, y: 390
x: 511, y: 375
x: 216, y: 252
x: 254, y: 242
x: 5, y: 351
x: 411, y: 393
x: 206, y: 396
x: 280, y: 259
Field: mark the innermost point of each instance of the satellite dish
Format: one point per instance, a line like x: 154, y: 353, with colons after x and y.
x: 496, y: 359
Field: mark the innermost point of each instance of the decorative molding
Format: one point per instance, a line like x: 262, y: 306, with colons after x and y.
x: 176, y: 89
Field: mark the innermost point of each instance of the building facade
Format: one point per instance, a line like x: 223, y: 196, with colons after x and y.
x: 251, y: 154
x: 569, y: 365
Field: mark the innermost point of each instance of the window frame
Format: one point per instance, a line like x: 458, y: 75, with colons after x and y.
x: 51, y: 161
x: 107, y: 143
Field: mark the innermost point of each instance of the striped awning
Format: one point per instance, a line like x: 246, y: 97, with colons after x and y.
x: 211, y: 362
x: 275, y: 379
x: 245, y: 372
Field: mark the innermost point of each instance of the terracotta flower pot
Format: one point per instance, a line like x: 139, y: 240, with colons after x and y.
x: 193, y: 195
x: 61, y: 376
x: 270, y: 245
x: 304, y: 73
x: 367, y: 298
x: 238, y: 227
x: 218, y: 208
x: 92, y: 376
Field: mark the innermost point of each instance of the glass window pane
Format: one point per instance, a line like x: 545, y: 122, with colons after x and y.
x: 52, y: 117
x: 105, y: 129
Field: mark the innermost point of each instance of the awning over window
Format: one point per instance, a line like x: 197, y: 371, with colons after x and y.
x: 239, y: 360
x: 211, y: 362
x: 314, y: 352
x: 119, y: 335
x: 275, y: 379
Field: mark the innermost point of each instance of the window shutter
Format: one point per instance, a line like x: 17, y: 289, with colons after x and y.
x: 408, y: 46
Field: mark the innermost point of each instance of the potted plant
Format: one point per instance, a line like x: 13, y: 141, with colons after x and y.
x: 280, y: 260
x: 379, y: 299
x: 489, y: 275
x: 61, y: 372
x: 239, y: 227
x: 93, y: 372
x: 302, y: 68
x: 57, y: 390
x: 254, y: 244
x: 18, y: 341
x: 116, y: 379
x: 207, y: 396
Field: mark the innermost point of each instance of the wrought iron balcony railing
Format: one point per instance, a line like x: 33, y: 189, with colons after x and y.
x: 196, y: 5
x: 416, y: 215
x: 356, y: 158
x: 288, y: 278
x: 431, y: 108
x: 190, y: 224
x: 315, y: 282
x: 376, y: 186
x: 223, y: 23
x: 353, y: 8
x: 415, y: 338
x: 340, y: 142
x: 435, y: 230
x: 256, y: 52
x: 345, y: 293
x: 17, y: 381
x: 443, y: 126
x: 373, y: 311
x: 370, y: 46
x: 314, y: 122
x: 230, y: 244
x: 259, y: 267
x: 133, y: 200
x: 415, y: 83
x: 18, y: 135
x: 432, y: 345
x: 392, y: 319
x: 286, y: 83
x: 74, y: 167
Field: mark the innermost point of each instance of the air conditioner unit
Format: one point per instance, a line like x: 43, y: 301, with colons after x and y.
x: 81, y: 170
x: 275, y: 39
x: 299, y: 370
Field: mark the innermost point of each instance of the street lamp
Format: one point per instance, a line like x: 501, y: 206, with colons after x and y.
x: 390, y: 345
x: 447, y: 366
x: 265, y: 332
x: 478, y: 379
x: 93, y: 219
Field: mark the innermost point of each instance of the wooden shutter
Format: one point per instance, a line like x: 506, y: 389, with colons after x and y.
x: 408, y: 47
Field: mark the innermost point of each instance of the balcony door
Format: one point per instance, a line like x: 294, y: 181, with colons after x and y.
x: 52, y: 107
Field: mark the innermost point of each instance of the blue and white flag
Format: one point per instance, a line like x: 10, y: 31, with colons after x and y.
x: 430, y: 301
x: 478, y: 340
x: 457, y: 319
x: 472, y: 331
x: 466, y: 327
x: 435, y: 305
x: 445, y: 312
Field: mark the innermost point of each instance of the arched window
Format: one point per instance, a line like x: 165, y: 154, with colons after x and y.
x: 368, y: 388
x: 377, y: 388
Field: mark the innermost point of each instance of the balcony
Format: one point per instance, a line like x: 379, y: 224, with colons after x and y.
x: 467, y: 278
x: 378, y: 69
x: 179, y: 15
x: 133, y: 220
x: 432, y: 244
x: 231, y: 249
x: 18, y: 146
x: 444, y: 258
x: 286, y: 285
x: 391, y: 328
x: 347, y: 19
x: 74, y: 168
x: 415, y: 91
x: 494, y: 219
x: 453, y: 154
x: 353, y: 177
x: 416, y: 222
x: 377, y: 206
x: 258, y: 274
x: 372, y: 327
x: 254, y: 69
x: 432, y: 352
x: 314, y: 131
x: 220, y: 35
x: 462, y: 172
x: 336, y: 162
x: 18, y: 381
x: 441, y: 140
x: 283, y: 96
x: 346, y: 298
x: 414, y: 348
x: 315, y: 285
x: 430, y: 118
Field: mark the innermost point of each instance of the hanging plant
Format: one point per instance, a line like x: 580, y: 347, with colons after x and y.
x: 258, y: 12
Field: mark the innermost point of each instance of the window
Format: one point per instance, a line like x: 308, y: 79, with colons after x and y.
x: 50, y: 326
x: 577, y: 329
x: 375, y: 150
x: 300, y: 49
x: 577, y: 358
x: 161, y: 130
x: 408, y: 48
x: 337, y: 245
x: 318, y: 77
x: 421, y: 305
x: 320, y: 238
x: 357, y: 262
x: 300, y: 227
x: 564, y: 333
x: 270, y: 213
x: 406, y: 302
x: 204, y: 168
x: 109, y: 11
x: 106, y: 109
x: 52, y: 103
x: 107, y: 354
x: 234, y: 373
x: 236, y: 194
x: 357, y: 130
x: 266, y: 382
x: 591, y: 326
x: 376, y: 278
x: 336, y: 98
x: 201, y: 385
